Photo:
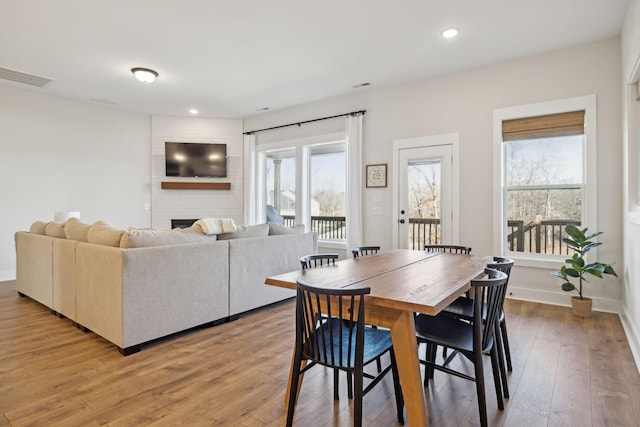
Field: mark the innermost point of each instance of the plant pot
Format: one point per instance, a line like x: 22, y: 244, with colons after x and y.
x: 581, y: 307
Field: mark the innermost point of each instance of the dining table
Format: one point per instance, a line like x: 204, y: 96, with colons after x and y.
x: 402, y: 282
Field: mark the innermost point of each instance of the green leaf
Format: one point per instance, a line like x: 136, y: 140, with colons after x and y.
x: 608, y: 269
x: 575, y: 233
x: 591, y: 236
x: 572, y: 272
x: 567, y: 287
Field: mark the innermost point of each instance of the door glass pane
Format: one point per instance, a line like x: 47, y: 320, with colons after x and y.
x: 423, y: 190
x: 280, y: 172
x: 328, y: 183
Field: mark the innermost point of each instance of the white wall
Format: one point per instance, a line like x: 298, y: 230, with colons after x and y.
x: 57, y: 155
x: 463, y: 103
x: 191, y: 204
x: 631, y: 274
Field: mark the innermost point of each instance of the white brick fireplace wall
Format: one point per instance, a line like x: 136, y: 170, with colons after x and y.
x: 186, y: 204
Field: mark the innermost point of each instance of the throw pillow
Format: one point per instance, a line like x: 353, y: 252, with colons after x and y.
x: 275, y: 229
x: 74, y: 229
x: 54, y: 229
x: 102, y: 233
x: 38, y: 227
x: 244, y: 231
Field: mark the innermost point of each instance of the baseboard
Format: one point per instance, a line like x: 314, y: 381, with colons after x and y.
x: 7, y: 275
x: 563, y: 299
x: 633, y: 336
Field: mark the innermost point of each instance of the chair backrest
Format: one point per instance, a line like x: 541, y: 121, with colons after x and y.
x: 504, y: 265
x: 488, y: 294
x: 364, y: 250
x: 314, y: 260
x: 455, y: 249
x: 330, y: 325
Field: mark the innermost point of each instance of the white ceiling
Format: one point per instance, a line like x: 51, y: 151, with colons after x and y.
x: 230, y: 58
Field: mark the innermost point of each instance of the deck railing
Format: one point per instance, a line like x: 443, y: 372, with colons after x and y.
x: 541, y: 237
x: 535, y: 237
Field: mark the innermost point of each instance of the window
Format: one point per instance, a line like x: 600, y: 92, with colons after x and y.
x: 546, y: 158
x: 305, y: 183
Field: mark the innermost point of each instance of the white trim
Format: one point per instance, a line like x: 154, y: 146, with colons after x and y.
x: 452, y: 139
x: 560, y: 298
x: 633, y: 336
x: 589, y: 213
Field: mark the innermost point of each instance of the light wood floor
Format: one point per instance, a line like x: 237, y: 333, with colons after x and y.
x: 567, y: 372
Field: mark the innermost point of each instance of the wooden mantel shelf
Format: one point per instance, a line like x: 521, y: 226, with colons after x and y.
x: 166, y: 185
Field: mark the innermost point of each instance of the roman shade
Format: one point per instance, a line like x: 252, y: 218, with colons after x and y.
x: 551, y: 125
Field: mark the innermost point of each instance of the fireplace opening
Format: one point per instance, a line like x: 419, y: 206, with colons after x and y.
x: 182, y: 223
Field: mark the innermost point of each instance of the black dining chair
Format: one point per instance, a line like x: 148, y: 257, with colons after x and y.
x: 330, y: 331
x: 471, y: 339
x: 462, y: 307
x: 454, y: 249
x: 315, y: 260
x: 364, y: 250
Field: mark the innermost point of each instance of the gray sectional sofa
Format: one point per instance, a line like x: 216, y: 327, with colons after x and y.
x: 151, y: 284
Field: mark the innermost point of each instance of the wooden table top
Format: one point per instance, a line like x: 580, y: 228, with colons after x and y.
x: 401, y: 279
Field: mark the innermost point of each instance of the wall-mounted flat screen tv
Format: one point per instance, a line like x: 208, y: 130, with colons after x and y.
x: 190, y: 159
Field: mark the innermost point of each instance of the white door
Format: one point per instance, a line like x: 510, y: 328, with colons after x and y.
x: 424, y: 196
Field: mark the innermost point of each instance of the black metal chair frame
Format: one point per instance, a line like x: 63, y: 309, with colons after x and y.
x: 315, y: 260
x: 463, y: 308
x: 364, y: 250
x: 330, y: 331
x: 471, y: 339
x: 454, y: 249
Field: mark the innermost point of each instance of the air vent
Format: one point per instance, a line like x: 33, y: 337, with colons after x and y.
x: 28, y: 79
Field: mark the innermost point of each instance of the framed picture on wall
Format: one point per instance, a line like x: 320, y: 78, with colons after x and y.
x: 376, y: 175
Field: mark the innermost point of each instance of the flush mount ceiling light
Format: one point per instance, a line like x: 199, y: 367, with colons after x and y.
x: 450, y: 33
x: 145, y: 75
x: 193, y: 111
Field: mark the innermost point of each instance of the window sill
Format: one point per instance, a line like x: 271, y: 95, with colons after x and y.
x: 533, y: 261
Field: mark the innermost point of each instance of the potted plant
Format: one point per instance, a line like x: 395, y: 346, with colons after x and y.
x: 577, y: 268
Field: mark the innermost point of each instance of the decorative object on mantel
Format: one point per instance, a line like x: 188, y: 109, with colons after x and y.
x: 167, y: 185
x: 577, y: 267
x: 376, y: 175
x: 62, y: 216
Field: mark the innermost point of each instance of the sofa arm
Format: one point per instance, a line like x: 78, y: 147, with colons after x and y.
x: 34, y: 266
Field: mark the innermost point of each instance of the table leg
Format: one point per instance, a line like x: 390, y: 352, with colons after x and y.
x: 403, y: 334
x: 291, y: 367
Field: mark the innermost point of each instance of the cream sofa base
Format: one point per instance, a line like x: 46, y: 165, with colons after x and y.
x: 133, y: 296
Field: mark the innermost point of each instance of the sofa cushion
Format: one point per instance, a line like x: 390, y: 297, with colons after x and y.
x: 275, y: 229
x: 102, y: 233
x: 38, y: 227
x: 137, y: 238
x: 243, y: 231
x: 54, y: 229
x: 74, y: 229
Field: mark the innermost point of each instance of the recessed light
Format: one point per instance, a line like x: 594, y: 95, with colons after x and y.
x: 144, y: 75
x: 450, y: 33
x: 193, y: 111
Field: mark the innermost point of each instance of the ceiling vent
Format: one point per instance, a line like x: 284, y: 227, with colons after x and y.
x: 28, y: 79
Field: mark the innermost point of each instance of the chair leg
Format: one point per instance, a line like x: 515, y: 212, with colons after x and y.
x: 293, y: 392
x: 505, y: 340
x: 482, y: 399
x: 357, y: 398
x: 349, y: 386
x: 336, y: 384
x: 496, y: 376
x: 432, y: 358
x: 503, y: 372
x: 396, y: 387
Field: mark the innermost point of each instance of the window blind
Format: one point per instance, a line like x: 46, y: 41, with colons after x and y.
x: 551, y: 125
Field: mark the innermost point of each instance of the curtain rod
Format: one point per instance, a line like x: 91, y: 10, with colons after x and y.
x: 353, y: 113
